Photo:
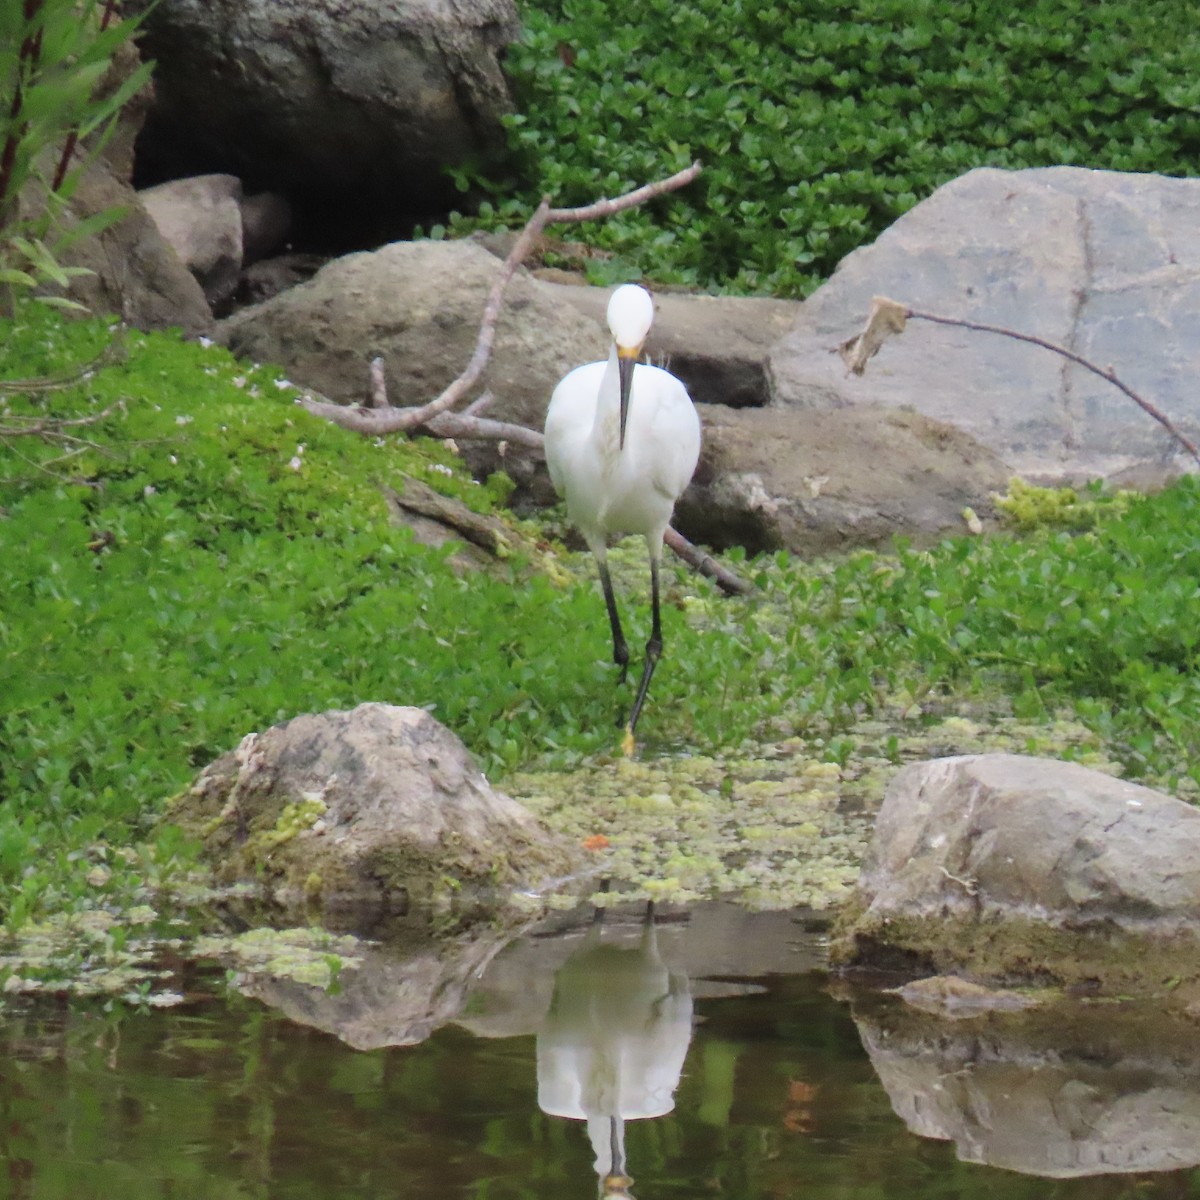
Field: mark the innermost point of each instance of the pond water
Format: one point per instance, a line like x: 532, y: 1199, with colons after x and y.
x: 706, y: 1055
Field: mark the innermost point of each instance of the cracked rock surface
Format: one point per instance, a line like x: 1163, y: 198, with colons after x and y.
x: 1102, y: 263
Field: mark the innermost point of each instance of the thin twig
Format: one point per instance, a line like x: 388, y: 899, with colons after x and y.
x: 1107, y: 374
x: 376, y: 384
x: 606, y: 208
x: 480, y: 404
x: 68, y: 378
x: 462, y: 425
x: 50, y: 427
x: 446, y: 424
x: 397, y: 420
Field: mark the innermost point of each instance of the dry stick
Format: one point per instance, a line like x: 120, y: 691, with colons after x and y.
x: 480, y: 404
x: 398, y: 420
x: 704, y: 564
x: 69, y: 377
x: 373, y: 421
x: 377, y: 385
x: 1110, y: 375
x: 51, y: 427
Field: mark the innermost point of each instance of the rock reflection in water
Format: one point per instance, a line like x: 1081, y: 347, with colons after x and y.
x: 613, y: 1044
x: 1067, y: 1091
x: 398, y: 995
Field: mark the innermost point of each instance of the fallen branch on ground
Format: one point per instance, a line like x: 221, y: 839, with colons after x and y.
x: 706, y: 565
x: 114, y: 351
x: 889, y: 317
x: 50, y: 429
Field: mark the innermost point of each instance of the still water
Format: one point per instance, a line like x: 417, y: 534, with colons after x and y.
x: 705, y: 1055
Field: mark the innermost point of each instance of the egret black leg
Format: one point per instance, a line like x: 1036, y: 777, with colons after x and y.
x: 653, y: 647
x: 620, y: 648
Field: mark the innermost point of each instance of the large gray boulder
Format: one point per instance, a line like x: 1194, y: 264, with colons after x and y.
x: 1006, y: 867
x: 350, y: 110
x: 201, y: 219
x: 133, y: 273
x: 378, y: 808
x: 717, y: 345
x: 820, y: 482
x: 397, y: 991
x: 1102, y: 263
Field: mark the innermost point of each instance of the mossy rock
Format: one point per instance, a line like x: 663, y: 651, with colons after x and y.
x: 1008, y: 868
x: 379, y: 807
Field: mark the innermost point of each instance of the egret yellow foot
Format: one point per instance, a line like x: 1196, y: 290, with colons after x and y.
x: 628, y: 745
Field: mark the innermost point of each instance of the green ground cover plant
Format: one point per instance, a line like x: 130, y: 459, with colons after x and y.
x: 210, y: 559
x: 821, y: 123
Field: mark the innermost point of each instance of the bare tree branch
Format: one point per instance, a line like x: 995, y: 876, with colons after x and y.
x: 446, y: 424
x: 606, y: 208
x: 397, y: 420
x: 887, y: 317
x: 480, y: 404
x: 114, y: 351
x: 50, y: 428
x: 377, y: 387
x: 462, y: 425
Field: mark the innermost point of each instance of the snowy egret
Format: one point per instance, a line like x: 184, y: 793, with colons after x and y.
x: 622, y: 440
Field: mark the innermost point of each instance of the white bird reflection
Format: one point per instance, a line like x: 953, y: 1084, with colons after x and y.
x: 613, y: 1044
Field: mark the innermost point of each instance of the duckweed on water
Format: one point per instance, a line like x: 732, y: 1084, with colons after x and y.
x: 773, y: 827
x: 314, y: 957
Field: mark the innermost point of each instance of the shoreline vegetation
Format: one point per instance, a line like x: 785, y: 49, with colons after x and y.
x: 209, y: 559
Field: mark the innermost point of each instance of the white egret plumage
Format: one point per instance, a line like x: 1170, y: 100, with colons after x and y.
x: 613, y: 1044
x: 622, y: 442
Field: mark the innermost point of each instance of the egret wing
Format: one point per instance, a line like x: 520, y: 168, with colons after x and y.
x: 569, y: 420
x: 676, y: 435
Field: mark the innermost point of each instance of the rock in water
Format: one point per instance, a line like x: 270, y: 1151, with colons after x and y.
x: 1031, y: 870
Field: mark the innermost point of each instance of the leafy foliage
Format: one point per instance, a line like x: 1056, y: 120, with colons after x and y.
x: 1026, y: 506
x: 57, y: 96
x: 820, y: 124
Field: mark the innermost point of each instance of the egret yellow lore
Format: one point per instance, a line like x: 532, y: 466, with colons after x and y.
x: 622, y: 441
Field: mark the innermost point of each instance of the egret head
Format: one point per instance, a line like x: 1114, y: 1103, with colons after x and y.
x: 630, y: 315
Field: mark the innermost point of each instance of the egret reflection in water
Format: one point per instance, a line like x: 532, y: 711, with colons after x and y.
x: 613, y: 1043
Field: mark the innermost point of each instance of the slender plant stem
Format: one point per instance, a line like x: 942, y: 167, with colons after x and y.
x: 28, y: 58
x: 1106, y: 373
x: 72, y: 140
